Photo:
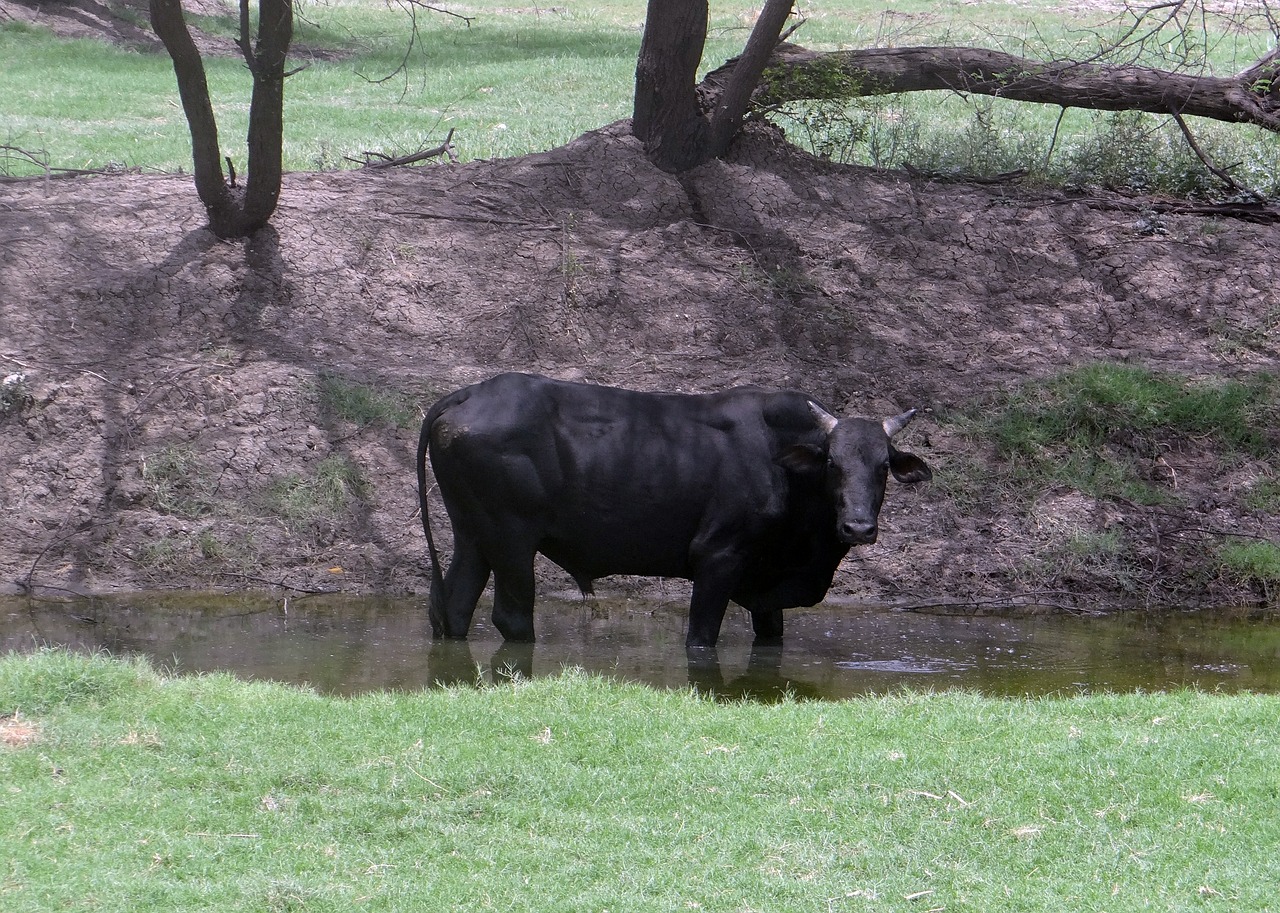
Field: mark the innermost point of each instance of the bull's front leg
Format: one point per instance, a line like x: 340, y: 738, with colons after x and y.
x: 716, y: 578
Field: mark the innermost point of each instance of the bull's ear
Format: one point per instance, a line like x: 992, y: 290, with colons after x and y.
x: 907, y: 467
x: 803, y: 458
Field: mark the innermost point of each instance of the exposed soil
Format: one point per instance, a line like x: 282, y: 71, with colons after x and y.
x: 121, y: 22
x: 181, y: 420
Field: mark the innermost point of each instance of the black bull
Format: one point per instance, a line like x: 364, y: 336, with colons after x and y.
x: 754, y: 495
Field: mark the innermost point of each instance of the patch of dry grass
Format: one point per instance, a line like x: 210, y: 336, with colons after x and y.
x: 16, y: 731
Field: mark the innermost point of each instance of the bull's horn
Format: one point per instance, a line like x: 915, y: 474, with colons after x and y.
x: 826, y: 421
x: 893, y: 425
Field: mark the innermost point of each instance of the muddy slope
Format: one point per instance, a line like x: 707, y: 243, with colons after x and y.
x: 203, y: 413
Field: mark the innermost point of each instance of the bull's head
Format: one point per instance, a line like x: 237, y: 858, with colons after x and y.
x: 856, y: 462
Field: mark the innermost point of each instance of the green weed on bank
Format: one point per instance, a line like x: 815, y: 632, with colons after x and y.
x: 129, y: 789
x: 1090, y: 427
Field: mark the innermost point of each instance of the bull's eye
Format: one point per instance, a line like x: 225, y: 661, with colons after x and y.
x: 884, y: 468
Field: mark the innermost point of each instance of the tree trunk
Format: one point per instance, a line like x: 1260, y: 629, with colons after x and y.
x: 731, y: 106
x: 797, y: 73
x: 678, y: 132
x: 234, y: 213
x: 666, y: 116
x: 193, y: 89
x: 266, y: 111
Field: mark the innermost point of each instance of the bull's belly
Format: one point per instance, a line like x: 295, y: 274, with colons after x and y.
x: 600, y: 556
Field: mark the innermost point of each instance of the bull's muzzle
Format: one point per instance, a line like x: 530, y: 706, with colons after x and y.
x: 857, y: 532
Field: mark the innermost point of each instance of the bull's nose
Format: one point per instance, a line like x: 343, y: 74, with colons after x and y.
x: 858, y: 532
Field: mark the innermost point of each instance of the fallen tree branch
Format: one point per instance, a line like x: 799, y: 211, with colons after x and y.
x: 57, y: 173
x: 796, y: 73
x: 1258, y: 213
x: 280, y: 584
x: 1000, y: 603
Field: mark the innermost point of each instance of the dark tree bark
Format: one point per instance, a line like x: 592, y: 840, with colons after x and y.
x: 193, y: 89
x: 731, y: 106
x: 666, y: 116
x: 677, y: 131
x: 234, y: 212
x: 266, y: 108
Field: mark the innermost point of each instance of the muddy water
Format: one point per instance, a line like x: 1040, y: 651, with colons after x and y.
x: 350, y: 645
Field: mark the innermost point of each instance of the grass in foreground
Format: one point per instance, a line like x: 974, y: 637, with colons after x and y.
x: 128, y: 789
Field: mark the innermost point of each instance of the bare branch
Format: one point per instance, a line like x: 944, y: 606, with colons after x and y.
x: 381, y: 160
x: 1221, y: 174
x: 412, y: 7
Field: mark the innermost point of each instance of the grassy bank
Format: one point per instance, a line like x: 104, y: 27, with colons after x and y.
x: 1115, y: 433
x: 126, y: 789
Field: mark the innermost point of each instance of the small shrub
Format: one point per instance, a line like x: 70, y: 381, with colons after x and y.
x: 164, y: 554
x: 978, y: 136
x: 1264, y: 496
x: 325, y: 497
x: 15, y: 395
x: 1104, y: 556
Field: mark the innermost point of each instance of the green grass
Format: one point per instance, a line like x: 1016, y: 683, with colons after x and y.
x: 523, y: 79
x: 324, y: 497
x: 1088, y: 405
x: 179, y: 484
x: 146, y: 791
x: 1264, y: 496
x: 364, y: 404
x: 1256, y: 561
x: 126, y: 789
x: 1105, y: 430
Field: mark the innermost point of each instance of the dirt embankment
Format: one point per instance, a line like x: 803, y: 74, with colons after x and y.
x: 200, y: 413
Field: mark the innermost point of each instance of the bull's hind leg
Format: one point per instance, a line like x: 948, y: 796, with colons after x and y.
x: 767, y: 624
x: 464, y: 581
x: 513, y: 594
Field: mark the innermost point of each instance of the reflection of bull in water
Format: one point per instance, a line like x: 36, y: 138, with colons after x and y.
x: 762, y: 681
x: 754, y: 495
x: 451, y: 662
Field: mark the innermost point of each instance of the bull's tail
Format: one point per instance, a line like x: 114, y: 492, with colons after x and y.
x: 435, y: 604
